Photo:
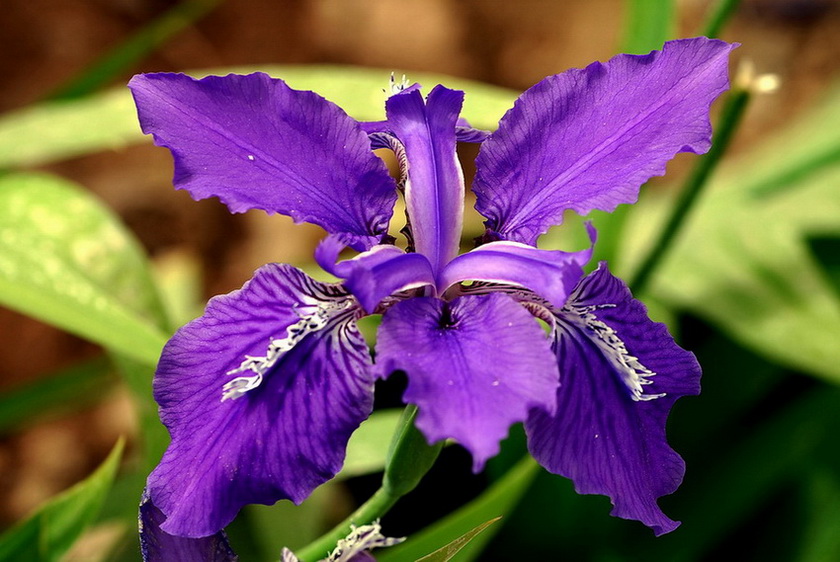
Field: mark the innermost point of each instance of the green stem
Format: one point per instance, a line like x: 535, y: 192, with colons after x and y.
x: 378, y: 504
x: 721, y: 13
x: 733, y: 110
x: 409, y: 458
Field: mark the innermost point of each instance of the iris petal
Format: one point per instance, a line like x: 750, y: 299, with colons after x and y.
x: 551, y: 274
x: 434, y: 190
x: 157, y: 545
x: 374, y: 275
x: 620, y: 375
x: 587, y: 139
x: 255, y: 143
x: 475, y: 366
x: 260, y: 396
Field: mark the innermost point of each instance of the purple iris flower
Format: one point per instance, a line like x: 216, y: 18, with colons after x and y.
x: 262, y: 392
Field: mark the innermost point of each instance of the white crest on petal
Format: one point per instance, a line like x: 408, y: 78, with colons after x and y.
x: 314, y: 316
x: 634, y: 374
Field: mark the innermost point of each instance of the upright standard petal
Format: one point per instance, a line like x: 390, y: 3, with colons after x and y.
x: 255, y: 143
x: 620, y: 375
x: 475, y: 366
x: 157, y: 545
x: 587, y: 139
x: 434, y: 192
x: 260, y: 396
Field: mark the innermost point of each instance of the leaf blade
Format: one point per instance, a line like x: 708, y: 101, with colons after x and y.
x: 67, y: 261
x: 55, y: 526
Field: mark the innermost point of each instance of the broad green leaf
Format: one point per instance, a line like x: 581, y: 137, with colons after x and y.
x: 55, y: 526
x: 368, y: 446
x: 449, y: 551
x: 66, y: 260
x: 65, y: 390
x: 496, y: 501
x: 743, y: 261
x: 58, y: 130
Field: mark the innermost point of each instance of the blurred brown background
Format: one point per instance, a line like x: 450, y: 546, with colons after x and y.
x: 45, y: 43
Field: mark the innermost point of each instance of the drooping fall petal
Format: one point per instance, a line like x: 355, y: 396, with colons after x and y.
x: 260, y: 395
x: 475, y: 366
x: 620, y: 373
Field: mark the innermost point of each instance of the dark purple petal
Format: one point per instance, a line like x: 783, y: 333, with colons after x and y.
x: 475, y: 366
x: 255, y: 143
x: 587, y: 139
x: 434, y: 189
x: 620, y: 373
x: 260, y: 396
x: 551, y: 274
x: 380, y: 272
x: 157, y: 545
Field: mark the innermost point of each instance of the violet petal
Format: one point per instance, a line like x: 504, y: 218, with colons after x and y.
x: 551, y: 274
x: 587, y: 139
x: 255, y: 143
x: 620, y: 373
x: 475, y: 366
x: 434, y: 190
x: 378, y: 273
x: 156, y: 545
x: 260, y: 396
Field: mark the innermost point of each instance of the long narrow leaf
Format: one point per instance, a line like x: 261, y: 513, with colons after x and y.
x: 65, y: 390
x: 55, y: 526
x: 498, y: 500
x: 448, y: 552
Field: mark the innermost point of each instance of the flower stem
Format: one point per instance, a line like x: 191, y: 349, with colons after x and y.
x: 731, y: 115
x: 409, y: 458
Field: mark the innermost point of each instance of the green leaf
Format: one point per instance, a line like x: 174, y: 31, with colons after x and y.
x: 496, y: 501
x: 743, y: 261
x: 57, y: 130
x: 449, y: 551
x: 52, y: 131
x: 139, y: 45
x: 733, y: 487
x: 648, y: 24
x: 822, y: 541
x: 719, y: 14
x: 368, y: 446
x: 56, y: 525
x: 69, y: 389
x: 66, y: 260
